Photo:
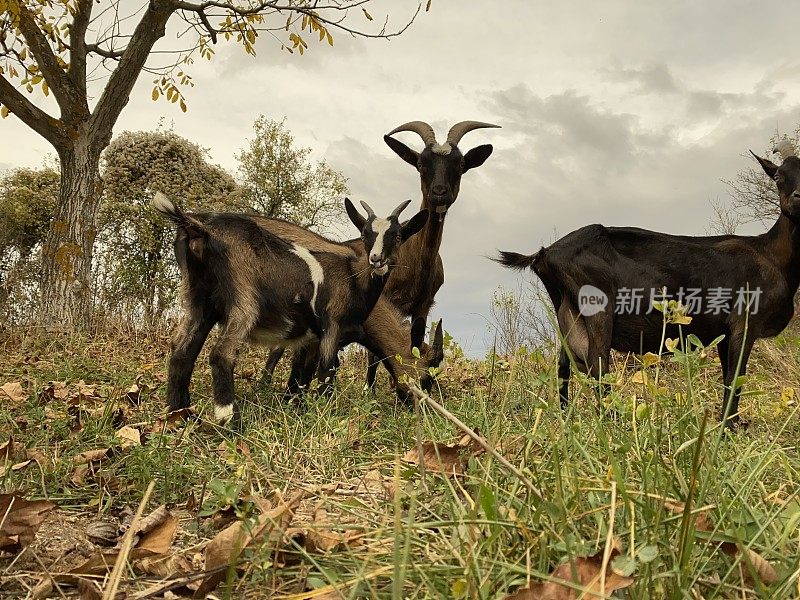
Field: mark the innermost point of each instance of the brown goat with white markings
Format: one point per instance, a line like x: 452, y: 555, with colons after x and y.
x: 265, y: 289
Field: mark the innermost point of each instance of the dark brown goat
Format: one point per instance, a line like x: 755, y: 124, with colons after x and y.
x: 265, y: 289
x: 592, y: 274
x: 412, y: 287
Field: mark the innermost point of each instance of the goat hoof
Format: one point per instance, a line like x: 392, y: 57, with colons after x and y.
x: 223, y: 415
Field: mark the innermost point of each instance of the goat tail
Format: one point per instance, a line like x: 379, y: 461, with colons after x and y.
x: 167, y: 208
x: 196, y: 233
x: 513, y: 260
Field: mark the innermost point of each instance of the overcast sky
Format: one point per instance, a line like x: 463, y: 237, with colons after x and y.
x: 620, y: 113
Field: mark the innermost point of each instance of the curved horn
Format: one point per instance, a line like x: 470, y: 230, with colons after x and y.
x: 421, y: 128
x: 370, y: 212
x: 458, y: 130
x: 396, y: 212
x: 785, y: 148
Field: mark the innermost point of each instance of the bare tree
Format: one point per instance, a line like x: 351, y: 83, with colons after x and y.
x: 753, y: 194
x: 89, y: 54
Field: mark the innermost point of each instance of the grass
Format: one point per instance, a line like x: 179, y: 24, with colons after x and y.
x: 622, y: 467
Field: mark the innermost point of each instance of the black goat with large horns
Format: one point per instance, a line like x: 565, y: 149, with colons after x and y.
x: 413, y: 285
x: 741, y: 287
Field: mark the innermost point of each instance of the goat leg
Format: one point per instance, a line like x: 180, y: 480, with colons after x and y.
x: 186, y: 344
x: 732, y: 369
x: 222, y: 360
x: 275, y: 355
x: 563, y: 376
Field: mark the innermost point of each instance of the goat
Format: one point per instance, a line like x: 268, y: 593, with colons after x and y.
x: 591, y: 274
x: 412, y: 288
x: 262, y: 288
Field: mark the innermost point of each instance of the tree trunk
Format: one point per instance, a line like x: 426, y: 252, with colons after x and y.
x: 66, y: 299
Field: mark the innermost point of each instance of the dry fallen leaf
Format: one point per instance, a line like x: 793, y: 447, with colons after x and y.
x: 13, y: 389
x: 229, y: 543
x: 445, y: 458
x: 755, y: 564
x: 156, y: 531
x: 321, y: 537
x: 54, y: 390
x: 585, y: 572
x: 129, y: 436
x: 20, y: 520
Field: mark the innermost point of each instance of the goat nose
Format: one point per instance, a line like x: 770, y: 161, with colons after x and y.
x: 374, y: 258
x: 439, y: 190
x: 796, y: 194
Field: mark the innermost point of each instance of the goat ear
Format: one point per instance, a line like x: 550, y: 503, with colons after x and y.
x: 438, y: 344
x: 477, y: 156
x: 413, y: 225
x: 417, y: 333
x: 355, y: 217
x: 770, y: 168
x: 403, y: 151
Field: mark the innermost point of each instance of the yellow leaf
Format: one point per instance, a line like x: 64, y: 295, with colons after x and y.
x: 787, y: 396
x: 45, y: 88
x: 4, y: 111
x: 639, y: 377
x: 183, y: 105
x: 366, y: 14
x: 650, y: 359
x: 330, y: 37
x: 155, y: 94
x: 671, y: 344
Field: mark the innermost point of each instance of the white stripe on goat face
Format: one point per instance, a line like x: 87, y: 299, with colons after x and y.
x: 380, y: 227
x: 317, y: 274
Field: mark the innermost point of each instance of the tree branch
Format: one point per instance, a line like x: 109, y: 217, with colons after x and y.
x: 78, y: 49
x: 112, y: 54
x: 119, y: 86
x: 52, y: 72
x: 48, y: 127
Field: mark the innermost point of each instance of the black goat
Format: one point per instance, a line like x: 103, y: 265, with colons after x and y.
x: 592, y: 276
x: 265, y: 289
x: 412, y: 288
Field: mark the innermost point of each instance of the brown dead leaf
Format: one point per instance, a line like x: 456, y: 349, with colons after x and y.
x: 128, y: 437
x: 702, y: 522
x: 134, y: 394
x: 20, y: 520
x: 173, y: 420
x: 756, y: 566
x: 585, y: 572
x: 88, y: 590
x: 13, y: 389
x: 445, y: 458
x: 14, y: 467
x: 165, y: 566
x: 321, y: 537
x: 156, y: 531
x: 91, y: 456
x: 54, y: 390
x: 229, y: 543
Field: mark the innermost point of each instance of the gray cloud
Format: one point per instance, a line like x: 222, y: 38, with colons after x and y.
x: 633, y: 117
x: 652, y: 78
